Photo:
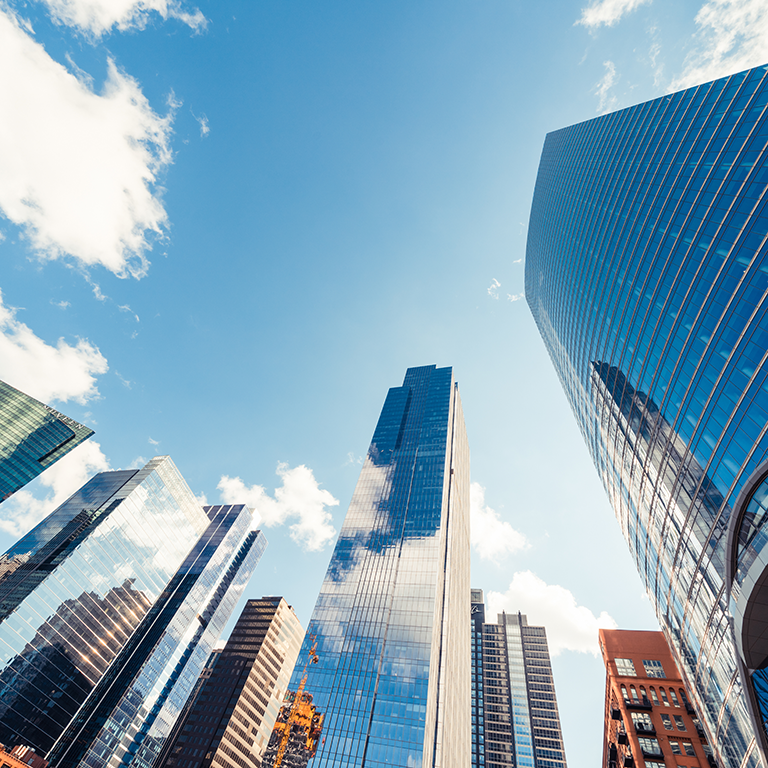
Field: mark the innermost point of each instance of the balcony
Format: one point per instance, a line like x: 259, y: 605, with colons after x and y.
x: 616, y: 713
x: 644, y: 730
x: 629, y: 761
x: 689, y: 709
x: 700, y: 731
x: 652, y: 755
x: 621, y: 737
x: 641, y: 704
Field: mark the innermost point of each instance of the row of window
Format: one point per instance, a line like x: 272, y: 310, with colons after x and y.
x: 626, y: 668
x: 632, y: 696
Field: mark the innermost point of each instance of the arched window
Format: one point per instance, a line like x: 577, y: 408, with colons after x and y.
x: 643, y: 694
x: 674, y: 697
x: 664, y: 697
x: 624, y: 692
x: 654, y: 697
x: 634, y: 693
x: 683, y: 697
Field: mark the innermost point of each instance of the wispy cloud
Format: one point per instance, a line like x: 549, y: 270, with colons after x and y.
x: 62, y: 372
x: 732, y: 36
x: 492, y: 537
x: 98, y: 17
x: 493, y: 289
x: 154, y: 442
x: 300, y: 497
x: 32, y: 503
x: 606, y: 101
x: 607, y: 12
x: 202, y: 120
x: 77, y: 168
x: 515, y: 296
x: 517, y: 261
x: 352, y: 459
x: 570, y: 626
x: 60, y: 304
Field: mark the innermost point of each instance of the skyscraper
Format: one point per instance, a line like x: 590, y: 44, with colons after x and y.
x: 393, y: 676
x: 515, y: 720
x: 231, y: 721
x: 647, y: 274
x: 32, y: 437
x: 117, y: 596
x: 648, y: 717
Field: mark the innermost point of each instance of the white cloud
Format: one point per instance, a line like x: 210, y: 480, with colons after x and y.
x: 63, y: 372
x: 605, y: 102
x: 77, y: 168
x: 492, y: 537
x: 493, y: 290
x: 570, y: 627
x: 732, y: 36
x: 97, y: 17
x: 517, y: 261
x: 607, y: 12
x: 27, y: 507
x: 154, y: 442
x: 515, y: 297
x: 205, y: 129
x: 299, y: 497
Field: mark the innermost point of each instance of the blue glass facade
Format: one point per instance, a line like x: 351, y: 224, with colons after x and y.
x: 32, y: 437
x: 477, y: 606
x: 393, y: 676
x: 647, y: 275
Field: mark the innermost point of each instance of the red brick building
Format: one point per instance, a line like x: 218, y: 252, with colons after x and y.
x: 649, y: 722
x: 20, y: 757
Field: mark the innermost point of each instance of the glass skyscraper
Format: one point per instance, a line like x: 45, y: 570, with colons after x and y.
x: 393, y: 671
x: 647, y: 275
x: 109, y: 609
x: 32, y: 437
x: 515, y: 720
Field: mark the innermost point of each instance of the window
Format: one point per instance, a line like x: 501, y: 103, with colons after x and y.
x: 675, y: 747
x: 679, y: 723
x: 655, y: 764
x: 650, y: 746
x: 625, y: 667
x: 653, y: 668
x: 654, y: 697
x: 664, y: 697
x: 624, y: 692
x: 643, y: 694
x: 688, y: 747
x: 673, y: 696
x: 633, y: 690
x: 667, y: 720
x: 642, y: 721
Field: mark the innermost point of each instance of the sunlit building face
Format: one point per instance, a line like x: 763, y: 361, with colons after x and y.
x: 393, y: 644
x: 647, y: 276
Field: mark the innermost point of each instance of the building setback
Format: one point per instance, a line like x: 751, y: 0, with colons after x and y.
x: 32, y: 437
x: 514, y: 707
x: 231, y: 719
x: 647, y: 275
x: 649, y: 719
x: 393, y: 672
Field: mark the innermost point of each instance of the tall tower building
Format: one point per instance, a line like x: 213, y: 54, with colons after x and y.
x: 113, y: 602
x: 393, y: 672
x: 231, y: 721
x: 648, y: 717
x: 647, y: 275
x: 515, y: 720
x: 32, y: 437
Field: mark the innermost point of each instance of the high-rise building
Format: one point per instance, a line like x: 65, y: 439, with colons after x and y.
x: 110, y: 606
x: 649, y: 719
x: 231, y: 721
x: 392, y: 677
x: 32, y: 437
x: 515, y: 720
x: 647, y: 275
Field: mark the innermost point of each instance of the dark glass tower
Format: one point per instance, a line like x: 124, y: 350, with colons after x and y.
x: 477, y: 606
x: 393, y: 671
x: 647, y: 275
x: 32, y: 437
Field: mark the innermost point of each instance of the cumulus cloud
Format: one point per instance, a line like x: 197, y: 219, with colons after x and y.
x: 606, y: 102
x: 300, y: 497
x: 28, y: 506
x: 570, y: 627
x: 493, y: 289
x: 732, y: 36
x: 78, y: 168
x: 97, y: 17
x: 492, y: 537
x: 62, y: 372
x: 607, y: 12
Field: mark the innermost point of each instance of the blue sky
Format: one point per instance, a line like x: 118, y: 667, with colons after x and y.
x: 229, y: 227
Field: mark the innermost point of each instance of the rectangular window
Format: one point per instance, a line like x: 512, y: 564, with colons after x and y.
x: 675, y: 747
x: 650, y: 746
x: 625, y: 667
x: 667, y: 720
x: 679, y: 723
x: 653, y: 668
x: 689, y: 750
x: 642, y: 721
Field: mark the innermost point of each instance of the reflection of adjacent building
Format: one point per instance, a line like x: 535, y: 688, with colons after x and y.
x: 230, y: 722
x: 161, y: 576
x: 649, y: 720
x: 393, y: 677
x: 647, y: 252
x: 32, y: 437
x: 514, y: 707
